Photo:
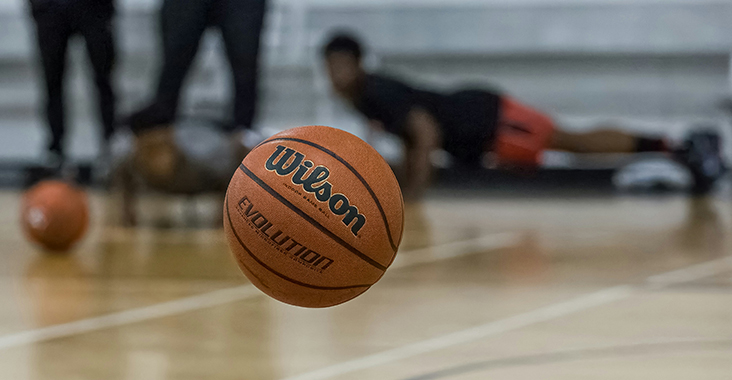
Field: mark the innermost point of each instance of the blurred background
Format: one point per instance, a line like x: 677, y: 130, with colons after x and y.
x: 659, y: 65
x: 560, y: 274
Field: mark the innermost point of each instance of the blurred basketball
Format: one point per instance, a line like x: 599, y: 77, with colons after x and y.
x: 314, y: 216
x: 54, y: 215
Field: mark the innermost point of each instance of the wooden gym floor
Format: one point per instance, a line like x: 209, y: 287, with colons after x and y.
x: 611, y: 287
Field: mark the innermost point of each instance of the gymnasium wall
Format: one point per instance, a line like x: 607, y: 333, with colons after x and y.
x: 657, y: 65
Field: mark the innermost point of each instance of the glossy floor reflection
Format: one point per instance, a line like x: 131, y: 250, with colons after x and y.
x: 482, y: 288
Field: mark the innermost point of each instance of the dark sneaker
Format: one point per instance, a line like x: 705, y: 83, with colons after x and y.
x: 150, y: 117
x: 53, y: 161
x: 701, y: 154
x: 49, y: 167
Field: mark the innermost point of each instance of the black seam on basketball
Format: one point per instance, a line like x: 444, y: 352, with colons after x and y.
x: 309, y: 219
x: 353, y: 170
x: 282, y: 276
x: 242, y: 263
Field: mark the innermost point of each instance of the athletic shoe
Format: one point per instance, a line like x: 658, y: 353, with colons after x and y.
x: 150, y: 117
x: 701, y: 154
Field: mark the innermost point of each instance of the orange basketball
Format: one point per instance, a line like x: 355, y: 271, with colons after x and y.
x: 54, y: 215
x: 314, y: 216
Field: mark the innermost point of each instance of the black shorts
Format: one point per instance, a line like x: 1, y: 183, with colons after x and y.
x: 468, y: 119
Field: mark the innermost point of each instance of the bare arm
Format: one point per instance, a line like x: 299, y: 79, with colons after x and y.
x: 423, y: 134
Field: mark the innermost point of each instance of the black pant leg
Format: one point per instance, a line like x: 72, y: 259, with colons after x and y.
x: 182, y: 25
x: 53, y: 31
x: 95, y: 25
x: 241, y: 23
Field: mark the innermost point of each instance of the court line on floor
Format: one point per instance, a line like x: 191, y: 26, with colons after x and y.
x: 240, y: 293
x: 543, y: 314
x: 446, y: 251
x: 165, y: 309
x: 636, y: 349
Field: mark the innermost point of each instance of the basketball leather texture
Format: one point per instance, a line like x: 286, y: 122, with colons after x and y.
x: 54, y: 215
x: 314, y: 216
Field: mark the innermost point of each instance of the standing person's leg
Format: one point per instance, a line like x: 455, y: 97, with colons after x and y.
x: 182, y: 25
x: 241, y: 23
x: 96, y: 27
x: 53, y: 32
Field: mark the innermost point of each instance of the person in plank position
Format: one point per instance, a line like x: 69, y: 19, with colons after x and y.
x: 471, y: 122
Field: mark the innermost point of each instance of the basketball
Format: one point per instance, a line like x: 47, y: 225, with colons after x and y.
x: 314, y: 216
x: 54, y: 215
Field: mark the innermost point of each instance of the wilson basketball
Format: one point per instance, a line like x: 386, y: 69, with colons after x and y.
x: 54, y: 215
x: 314, y: 216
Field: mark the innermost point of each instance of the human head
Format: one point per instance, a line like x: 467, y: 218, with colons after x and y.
x: 342, y: 56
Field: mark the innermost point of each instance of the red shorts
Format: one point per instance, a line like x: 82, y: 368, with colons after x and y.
x: 522, y: 134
